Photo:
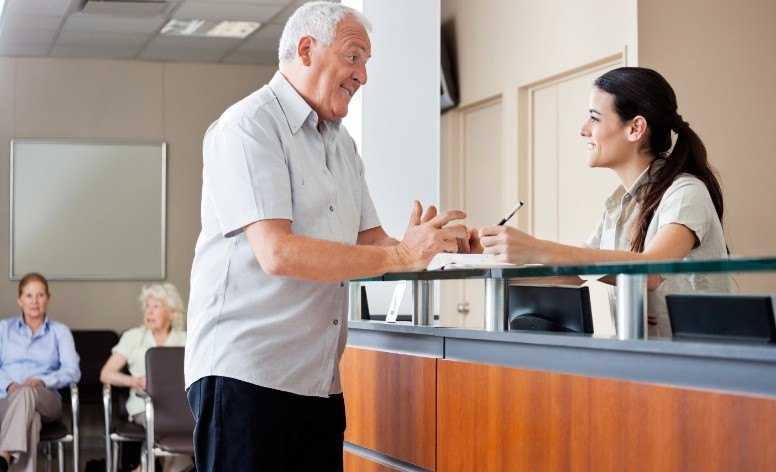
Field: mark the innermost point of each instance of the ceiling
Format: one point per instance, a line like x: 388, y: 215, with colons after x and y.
x: 130, y: 30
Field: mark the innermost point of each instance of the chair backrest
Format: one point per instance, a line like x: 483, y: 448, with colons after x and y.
x: 165, y: 385
x: 93, y: 348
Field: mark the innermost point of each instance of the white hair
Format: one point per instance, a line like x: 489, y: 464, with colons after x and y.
x: 318, y: 20
x: 167, y: 294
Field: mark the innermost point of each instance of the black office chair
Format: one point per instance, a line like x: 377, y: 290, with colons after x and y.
x: 94, y: 348
x: 57, y: 432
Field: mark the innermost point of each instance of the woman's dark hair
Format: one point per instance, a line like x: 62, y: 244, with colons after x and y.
x: 643, y: 92
x: 32, y: 277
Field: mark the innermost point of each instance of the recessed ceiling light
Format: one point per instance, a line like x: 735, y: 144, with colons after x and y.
x: 210, y: 29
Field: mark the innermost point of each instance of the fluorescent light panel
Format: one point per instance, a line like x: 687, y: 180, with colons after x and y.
x: 209, y: 28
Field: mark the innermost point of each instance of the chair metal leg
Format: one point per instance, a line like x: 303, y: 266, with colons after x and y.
x: 115, y: 459
x: 61, y: 456
x: 143, y: 459
x: 47, y: 454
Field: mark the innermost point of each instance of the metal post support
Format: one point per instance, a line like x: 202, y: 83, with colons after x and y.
x: 354, y: 301
x: 422, y: 299
x: 495, y: 304
x: 631, y: 306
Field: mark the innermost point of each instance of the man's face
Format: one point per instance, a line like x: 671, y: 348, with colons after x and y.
x: 339, y: 69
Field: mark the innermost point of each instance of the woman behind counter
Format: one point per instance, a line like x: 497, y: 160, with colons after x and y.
x: 162, y: 327
x: 37, y: 358
x: 669, y: 205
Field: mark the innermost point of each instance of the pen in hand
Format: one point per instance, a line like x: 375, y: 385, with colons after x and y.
x: 510, y: 214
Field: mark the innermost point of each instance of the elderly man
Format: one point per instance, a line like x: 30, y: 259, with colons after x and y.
x: 287, y: 220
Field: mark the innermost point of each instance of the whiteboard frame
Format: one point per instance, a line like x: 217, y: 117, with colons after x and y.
x: 162, y: 262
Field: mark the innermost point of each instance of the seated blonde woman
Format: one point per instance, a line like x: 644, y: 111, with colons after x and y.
x: 162, y: 327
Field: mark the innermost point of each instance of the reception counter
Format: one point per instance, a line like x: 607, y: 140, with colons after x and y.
x: 447, y: 399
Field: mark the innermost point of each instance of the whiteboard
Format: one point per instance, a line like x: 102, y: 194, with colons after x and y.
x: 88, y: 210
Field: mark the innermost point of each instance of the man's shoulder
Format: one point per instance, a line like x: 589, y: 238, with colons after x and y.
x: 260, y: 106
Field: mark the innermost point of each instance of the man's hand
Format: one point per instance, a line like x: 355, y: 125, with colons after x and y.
x: 427, y: 236
x: 471, y: 245
x: 30, y: 382
x: 12, y: 388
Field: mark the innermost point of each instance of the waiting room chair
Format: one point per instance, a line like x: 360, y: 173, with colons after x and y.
x: 169, y: 422
x: 118, y: 430
x: 57, y: 432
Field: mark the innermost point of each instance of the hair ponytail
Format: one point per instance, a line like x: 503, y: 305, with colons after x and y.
x: 643, y: 92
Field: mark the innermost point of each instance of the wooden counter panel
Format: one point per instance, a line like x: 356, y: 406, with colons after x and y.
x: 390, y: 401
x: 356, y: 463
x: 496, y: 418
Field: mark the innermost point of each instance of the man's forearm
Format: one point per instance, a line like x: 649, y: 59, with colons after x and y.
x: 320, y: 260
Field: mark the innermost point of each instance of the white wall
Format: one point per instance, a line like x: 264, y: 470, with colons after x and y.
x: 401, y: 117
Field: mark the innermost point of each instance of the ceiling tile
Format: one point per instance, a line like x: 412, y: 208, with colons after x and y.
x: 180, y: 55
x: 266, y: 39
x: 107, y: 24
x: 38, y: 7
x: 109, y: 40
x: 227, y: 11
x: 257, y: 58
x: 24, y: 49
x: 31, y: 36
x: 283, y: 16
x: 93, y: 52
x: 32, y: 22
x: 249, y: 2
x: 222, y: 45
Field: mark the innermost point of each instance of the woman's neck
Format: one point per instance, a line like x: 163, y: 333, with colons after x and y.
x: 160, y: 336
x: 33, y: 323
x: 635, y: 166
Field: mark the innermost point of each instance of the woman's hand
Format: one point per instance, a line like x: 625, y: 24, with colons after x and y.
x: 509, y: 244
x: 139, y: 383
x: 30, y: 382
x: 12, y: 388
x: 472, y: 245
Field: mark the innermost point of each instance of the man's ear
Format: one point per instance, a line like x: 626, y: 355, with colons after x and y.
x: 304, y: 49
x: 637, y: 128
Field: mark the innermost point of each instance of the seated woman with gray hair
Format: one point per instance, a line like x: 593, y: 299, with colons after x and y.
x: 162, y: 327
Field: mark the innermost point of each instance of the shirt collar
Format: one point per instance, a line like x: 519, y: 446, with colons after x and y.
x: 620, y: 194
x: 295, y: 108
x: 20, y: 325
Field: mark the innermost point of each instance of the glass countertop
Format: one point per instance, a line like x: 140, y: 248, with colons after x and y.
x: 734, y: 264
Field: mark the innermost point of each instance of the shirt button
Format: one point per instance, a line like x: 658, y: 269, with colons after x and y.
x: 336, y: 322
x: 331, y: 207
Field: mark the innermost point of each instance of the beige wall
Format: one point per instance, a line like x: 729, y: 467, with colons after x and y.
x: 718, y: 55
x: 500, y: 46
x: 107, y: 100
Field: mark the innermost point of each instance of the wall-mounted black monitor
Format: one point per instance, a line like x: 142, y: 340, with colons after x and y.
x: 722, y: 317
x: 557, y: 308
x: 448, y: 97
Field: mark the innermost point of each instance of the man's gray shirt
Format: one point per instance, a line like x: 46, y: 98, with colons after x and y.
x: 264, y: 158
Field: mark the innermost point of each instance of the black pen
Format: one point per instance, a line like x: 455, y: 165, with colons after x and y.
x: 511, y: 214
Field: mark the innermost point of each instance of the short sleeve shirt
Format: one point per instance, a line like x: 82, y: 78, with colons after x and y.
x: 686, y: 202
x: 133, y: 345
x: 267, y: 157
